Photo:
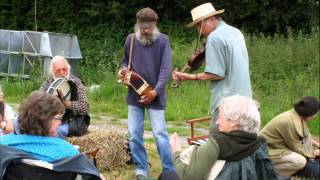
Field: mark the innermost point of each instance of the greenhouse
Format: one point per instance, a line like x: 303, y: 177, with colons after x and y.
x: 28, y: 53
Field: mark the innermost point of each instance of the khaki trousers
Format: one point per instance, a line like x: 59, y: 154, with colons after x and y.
x: 289, y: 164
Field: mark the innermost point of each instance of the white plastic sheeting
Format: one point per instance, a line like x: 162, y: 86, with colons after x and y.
x: 25, y: 53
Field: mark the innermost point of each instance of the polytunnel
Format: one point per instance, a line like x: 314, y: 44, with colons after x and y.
x: 28, y: 53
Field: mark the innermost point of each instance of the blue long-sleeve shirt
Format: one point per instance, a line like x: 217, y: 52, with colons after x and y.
x: 153, y: 63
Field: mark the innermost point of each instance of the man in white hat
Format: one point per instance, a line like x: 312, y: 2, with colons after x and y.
x: 227, y: 62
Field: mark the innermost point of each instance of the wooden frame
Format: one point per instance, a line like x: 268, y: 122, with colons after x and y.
x: 192, y: 123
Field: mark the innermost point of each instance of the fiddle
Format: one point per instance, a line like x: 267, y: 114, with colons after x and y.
x: 196, y: 60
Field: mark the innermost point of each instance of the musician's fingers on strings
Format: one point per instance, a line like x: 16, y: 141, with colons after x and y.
x: 122, y: 72
x: 179, y: 76
x: 174, y: 75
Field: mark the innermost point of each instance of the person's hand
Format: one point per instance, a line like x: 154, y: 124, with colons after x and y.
x: 175, y: 142
x: 316, y: 143
x: 122, y: 75
x: 67, y: 104
x: 176, y: 75
x: 149, y: 97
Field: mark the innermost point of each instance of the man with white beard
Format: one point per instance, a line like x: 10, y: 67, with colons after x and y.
x: 77, y: 107
x: 151, y: 59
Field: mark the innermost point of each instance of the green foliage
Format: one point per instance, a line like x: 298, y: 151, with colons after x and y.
x: 18, y: 90
x: 270, y: 16
x: 101, y: 26
x: 267, y: 16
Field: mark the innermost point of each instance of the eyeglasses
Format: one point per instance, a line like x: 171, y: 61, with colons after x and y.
x: 58, y: 117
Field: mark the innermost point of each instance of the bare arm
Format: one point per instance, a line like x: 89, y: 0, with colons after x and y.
x: 198, y: 76
x: 316, y: 143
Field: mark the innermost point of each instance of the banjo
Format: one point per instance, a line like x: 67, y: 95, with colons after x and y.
x: 134, y: 80
x: 137, y: 83
x: 61, y: 88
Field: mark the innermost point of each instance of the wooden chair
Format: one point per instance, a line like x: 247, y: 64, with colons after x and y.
x: 92, y: 155
x: 198, y: 140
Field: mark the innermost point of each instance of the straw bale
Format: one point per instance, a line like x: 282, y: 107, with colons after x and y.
x: 112, y: 148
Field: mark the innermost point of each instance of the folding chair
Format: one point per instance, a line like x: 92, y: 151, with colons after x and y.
x: 16, y: 165
x: 197, y: 140
x: 34, y: 169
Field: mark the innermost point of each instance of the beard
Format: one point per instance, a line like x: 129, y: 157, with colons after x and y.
x: 56, y: 77
x: 147, y: 38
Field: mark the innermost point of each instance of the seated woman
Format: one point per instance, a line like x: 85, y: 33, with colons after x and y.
x: 289, y: 139
x: 236, y: 142
x: 6, y: 116
x: 39, y: 118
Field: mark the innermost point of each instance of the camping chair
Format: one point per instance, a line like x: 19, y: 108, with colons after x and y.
x: 30, y: 169
x: 197, y: 140
x: 92, y: 156
x: 33, y: 169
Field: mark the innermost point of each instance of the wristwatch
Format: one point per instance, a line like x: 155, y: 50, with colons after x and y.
x: 3, y: 125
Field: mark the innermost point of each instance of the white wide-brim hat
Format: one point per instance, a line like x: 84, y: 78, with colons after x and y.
x: 202, y: 12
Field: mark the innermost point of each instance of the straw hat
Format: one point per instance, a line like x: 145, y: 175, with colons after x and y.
x: 202, y: 12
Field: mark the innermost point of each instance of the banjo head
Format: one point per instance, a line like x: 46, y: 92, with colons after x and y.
x: 62, y: 85
x: 138, y: 84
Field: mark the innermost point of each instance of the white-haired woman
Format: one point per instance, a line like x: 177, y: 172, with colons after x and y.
x: 6, y: 116
x: 237, y: 143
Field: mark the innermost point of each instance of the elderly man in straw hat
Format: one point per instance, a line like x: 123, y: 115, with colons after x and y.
x: 150, y: 56
x: 227, y: 63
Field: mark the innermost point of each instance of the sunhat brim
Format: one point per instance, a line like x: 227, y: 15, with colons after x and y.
x: 204, y: 17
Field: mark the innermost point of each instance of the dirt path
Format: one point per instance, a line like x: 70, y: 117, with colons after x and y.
x: 108, y: 122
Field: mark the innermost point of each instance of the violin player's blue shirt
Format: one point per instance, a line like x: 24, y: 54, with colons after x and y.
x: 227, y: 57
x: 42, y: 147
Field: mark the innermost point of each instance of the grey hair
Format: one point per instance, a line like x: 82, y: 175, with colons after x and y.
x: 56, y: 59
x: 208, y: 20
x: 145, y: 41
x: 242, y: 111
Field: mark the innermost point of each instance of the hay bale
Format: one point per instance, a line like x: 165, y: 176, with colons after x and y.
x: 112, y: 148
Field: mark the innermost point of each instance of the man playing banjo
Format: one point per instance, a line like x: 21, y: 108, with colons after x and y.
x: 75, y: 120
x: 147, y: 52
